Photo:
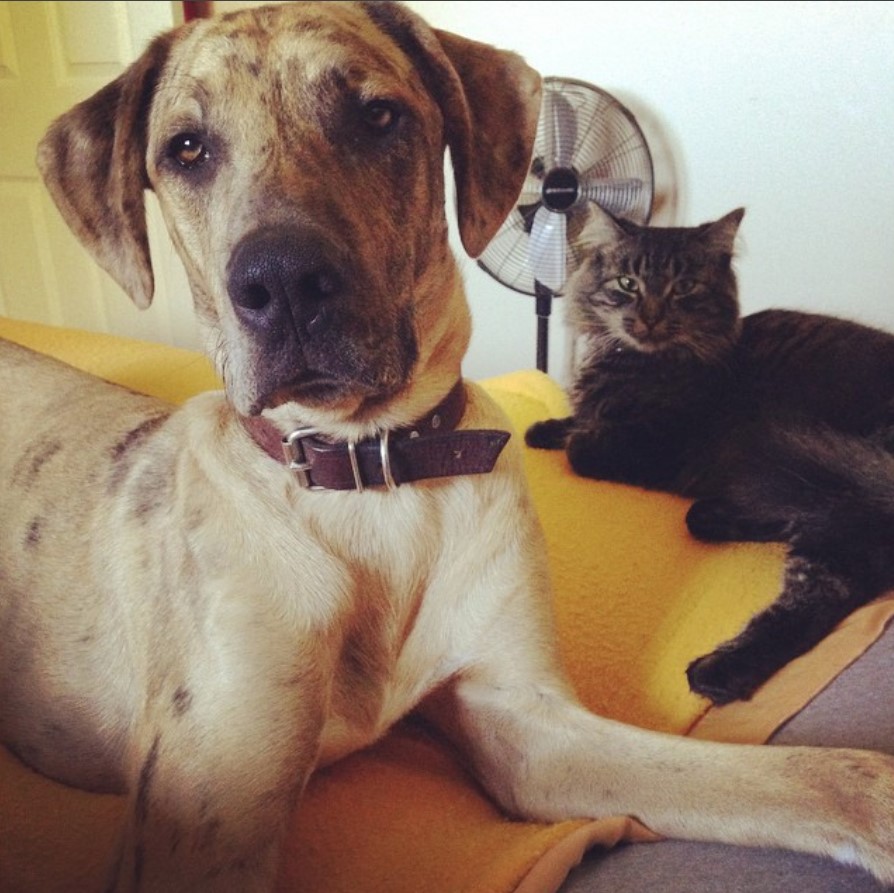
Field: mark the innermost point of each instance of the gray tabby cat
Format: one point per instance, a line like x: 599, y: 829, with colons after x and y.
x: 780, y: 425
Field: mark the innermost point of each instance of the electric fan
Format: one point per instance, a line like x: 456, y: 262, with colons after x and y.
x: 588, y: 148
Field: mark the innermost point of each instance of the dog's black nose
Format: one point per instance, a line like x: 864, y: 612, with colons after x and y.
x: 281, y: 275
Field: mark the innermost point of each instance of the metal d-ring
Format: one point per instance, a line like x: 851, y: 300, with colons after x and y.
x: 385, y: 459
x: 355, y: 466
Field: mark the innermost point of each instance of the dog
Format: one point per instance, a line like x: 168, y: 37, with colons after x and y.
x: 202, y: 605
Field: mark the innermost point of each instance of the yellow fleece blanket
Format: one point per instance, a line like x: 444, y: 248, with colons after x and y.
x: 636, y: 599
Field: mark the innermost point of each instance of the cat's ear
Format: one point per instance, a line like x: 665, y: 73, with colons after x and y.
x: 721, y: 234
x: 600, y: 227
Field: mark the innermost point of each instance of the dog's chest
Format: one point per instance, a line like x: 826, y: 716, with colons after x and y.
x: 404, y: 574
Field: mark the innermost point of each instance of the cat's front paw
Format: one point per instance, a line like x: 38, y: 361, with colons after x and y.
x: 713, y: 521
x: 723, y: 676
x: 718, y: 520
x: 550, y: 434
x: 616, y: 456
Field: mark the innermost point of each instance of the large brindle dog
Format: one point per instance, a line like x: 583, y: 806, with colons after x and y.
x: 200, y: 614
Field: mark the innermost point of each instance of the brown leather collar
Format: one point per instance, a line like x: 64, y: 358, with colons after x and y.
x: 430, y: 448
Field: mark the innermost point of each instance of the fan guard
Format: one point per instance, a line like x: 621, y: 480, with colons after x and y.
x: 588, y: 148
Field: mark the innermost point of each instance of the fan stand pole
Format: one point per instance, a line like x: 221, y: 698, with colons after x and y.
x: 543, y: 306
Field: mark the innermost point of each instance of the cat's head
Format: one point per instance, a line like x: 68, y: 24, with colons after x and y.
x: 653, y: 289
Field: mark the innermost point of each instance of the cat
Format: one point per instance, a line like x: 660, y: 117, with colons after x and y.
x: 779, y: 425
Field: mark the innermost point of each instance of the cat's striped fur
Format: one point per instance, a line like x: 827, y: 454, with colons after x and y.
x: 780, y: 426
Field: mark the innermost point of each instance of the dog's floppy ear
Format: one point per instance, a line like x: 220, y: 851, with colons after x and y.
x: 491, y: 128
x: 92, y: 160
x: 490, y: 100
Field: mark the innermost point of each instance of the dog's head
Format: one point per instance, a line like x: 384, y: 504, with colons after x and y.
x: 297, y: 153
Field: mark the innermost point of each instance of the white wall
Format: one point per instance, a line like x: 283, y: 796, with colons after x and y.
x: 784, y: 108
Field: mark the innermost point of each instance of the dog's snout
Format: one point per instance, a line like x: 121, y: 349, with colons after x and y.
x: 283, y: 274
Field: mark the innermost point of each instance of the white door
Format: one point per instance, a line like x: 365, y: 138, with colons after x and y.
x: 52, y: 55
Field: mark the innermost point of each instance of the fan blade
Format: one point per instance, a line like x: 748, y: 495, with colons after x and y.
x: 623, y: 196
x: 546, y: 251
x: 531, y: 191
x: 557, y: 130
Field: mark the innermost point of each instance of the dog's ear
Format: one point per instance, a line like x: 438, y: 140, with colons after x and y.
x: 491, y: 126
x: 92, y: 160
x: 490, y: 100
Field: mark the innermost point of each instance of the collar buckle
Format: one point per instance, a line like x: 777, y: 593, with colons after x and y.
x: 296, y: 460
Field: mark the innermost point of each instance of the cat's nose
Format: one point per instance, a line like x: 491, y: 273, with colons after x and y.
x: 649, y: 332
x: 650, y: 316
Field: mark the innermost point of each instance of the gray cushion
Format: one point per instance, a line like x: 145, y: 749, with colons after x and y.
x: 854, y: 711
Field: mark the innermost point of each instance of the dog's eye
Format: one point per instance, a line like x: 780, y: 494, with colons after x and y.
x: 188, y: 150
x: 381, y: 115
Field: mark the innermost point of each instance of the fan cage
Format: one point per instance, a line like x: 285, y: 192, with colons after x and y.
x: 586, y: 129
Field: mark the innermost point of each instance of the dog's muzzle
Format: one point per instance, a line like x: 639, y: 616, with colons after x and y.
x: 319, y: 329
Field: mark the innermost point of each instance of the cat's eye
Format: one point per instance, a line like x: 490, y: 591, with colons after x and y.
x: 621, y: 291
x: 688, y: 294
x: 685, y: 287
x: 614, y: 297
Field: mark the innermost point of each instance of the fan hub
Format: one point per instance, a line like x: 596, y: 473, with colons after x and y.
x: 560, y: 189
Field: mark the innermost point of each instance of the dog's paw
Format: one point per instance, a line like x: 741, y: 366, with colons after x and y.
x: 723, y: 676
x: 550, y: 434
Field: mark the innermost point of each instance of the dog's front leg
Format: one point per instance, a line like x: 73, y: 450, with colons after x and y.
x: 209, y: 801
x: 544, y: 757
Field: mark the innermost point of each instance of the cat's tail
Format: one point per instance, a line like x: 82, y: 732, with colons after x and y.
x: 826, y: 493
x: 821, y: 473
